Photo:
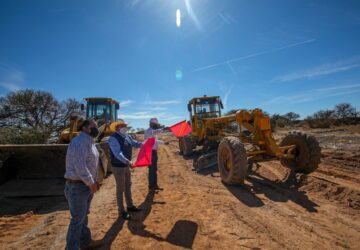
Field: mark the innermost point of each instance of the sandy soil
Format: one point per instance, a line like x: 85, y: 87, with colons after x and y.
x: 274, y: 210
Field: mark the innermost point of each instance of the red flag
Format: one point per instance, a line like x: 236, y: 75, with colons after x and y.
x: 144, y: 157
x: 180, y: 129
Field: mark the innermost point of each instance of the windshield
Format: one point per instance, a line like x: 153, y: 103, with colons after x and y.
x: 207, y: 108
x: 99, y: 112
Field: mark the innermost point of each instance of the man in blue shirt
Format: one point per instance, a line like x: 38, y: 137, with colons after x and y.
x: 121, y: 144
x: 82, y: 159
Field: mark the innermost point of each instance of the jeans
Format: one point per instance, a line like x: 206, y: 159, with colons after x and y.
x: 79, y: 198
x: 153, y: 170
x: 123, y: 185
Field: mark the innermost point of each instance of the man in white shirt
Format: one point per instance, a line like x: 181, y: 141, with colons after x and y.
x: 82, y: 160
x: 153, y: 131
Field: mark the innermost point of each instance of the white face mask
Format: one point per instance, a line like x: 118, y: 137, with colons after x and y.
x: 123, y: 130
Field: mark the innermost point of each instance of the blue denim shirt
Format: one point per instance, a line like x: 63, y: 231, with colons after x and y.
x: 82, y: 159
x: 116, y: 149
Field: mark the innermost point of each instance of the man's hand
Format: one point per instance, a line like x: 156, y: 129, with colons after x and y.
x: 131, y: 164
x: 94, y: 187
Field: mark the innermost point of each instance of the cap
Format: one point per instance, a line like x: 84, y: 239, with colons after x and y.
x: 154, y: 120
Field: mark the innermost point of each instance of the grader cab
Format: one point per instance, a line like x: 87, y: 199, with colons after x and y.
x: 245, y: 137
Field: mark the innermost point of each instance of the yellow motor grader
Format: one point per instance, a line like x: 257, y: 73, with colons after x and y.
x: 243, y: 138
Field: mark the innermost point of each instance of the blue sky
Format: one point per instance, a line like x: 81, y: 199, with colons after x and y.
x: 280, y: 56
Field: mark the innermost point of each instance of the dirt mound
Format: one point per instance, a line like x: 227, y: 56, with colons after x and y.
x: 332, y: 191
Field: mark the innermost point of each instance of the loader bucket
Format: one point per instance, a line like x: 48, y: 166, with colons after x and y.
x: 36, y: 161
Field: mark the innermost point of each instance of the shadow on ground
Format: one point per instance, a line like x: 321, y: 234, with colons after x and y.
x: 182, y: 233
x: 277, y: 191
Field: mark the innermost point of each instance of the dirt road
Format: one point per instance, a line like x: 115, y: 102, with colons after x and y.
x: 274, y: 210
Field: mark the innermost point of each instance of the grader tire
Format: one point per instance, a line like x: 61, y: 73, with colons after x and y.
x: 181, y: 145
x: 307, y: 152
x: 232, y: 161
x: 188, y: 148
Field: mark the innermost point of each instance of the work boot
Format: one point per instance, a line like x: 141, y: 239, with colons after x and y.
x: 125, y: 215
x: 133, y: 209
x: 93, y: 244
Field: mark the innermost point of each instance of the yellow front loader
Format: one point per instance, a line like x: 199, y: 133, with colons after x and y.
x: 45, y: 163
x: 241, y: 139
x: 103, y: 110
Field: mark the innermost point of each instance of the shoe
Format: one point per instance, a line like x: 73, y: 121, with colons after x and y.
x: 125, y: 216
x: 155, y: 188
x: 133, y: 209
x: 93, y: 244
x: 158, y: 188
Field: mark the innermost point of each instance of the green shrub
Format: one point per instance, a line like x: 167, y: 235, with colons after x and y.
x: 13, y: 135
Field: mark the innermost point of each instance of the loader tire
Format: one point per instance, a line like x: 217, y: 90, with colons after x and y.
x: 232, y: 161
x: 181, y: 145
x: 307, y: 152
x: 187, y: 146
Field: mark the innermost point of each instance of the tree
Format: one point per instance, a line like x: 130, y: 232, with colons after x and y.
x: 321, y: 119
x: 345, y: 110
x: 36, y: 110
x: 291, y: 117
x: 278, y: 120
x: 345, y: 113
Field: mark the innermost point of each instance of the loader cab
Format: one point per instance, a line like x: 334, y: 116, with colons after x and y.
x: 203, y: 107
x: 103, y: 110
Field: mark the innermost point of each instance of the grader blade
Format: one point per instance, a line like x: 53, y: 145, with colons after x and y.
x: 205, y: 161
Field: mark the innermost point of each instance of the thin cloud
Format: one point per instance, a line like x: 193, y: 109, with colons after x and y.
x: 10, y: 78
x: 322, y: 70
x: 146, y: 115
x: 315, y: 94
x: 133, y: 3
x: 227, y: 91
x: 253, y: 55
x: 161, y: 103
x: 157, y: 108
x: 338, y: 87
x: 126, y: 103
x: 227, y: 18
x: 10, y: 86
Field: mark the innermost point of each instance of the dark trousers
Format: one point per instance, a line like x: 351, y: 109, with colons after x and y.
x: 153, y: 170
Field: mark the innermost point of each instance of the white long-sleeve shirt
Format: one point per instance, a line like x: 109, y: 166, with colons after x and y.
x: 149, y: 133
x: 82, y: 159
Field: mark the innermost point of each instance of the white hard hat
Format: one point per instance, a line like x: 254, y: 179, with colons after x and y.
x: 154, y: 120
